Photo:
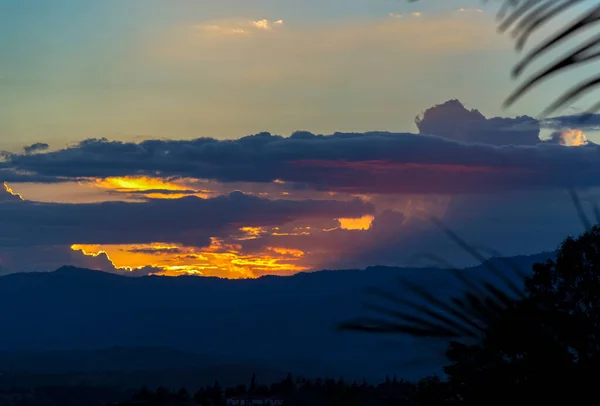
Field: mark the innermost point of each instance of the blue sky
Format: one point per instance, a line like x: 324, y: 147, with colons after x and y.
x: 151, y: 75
x: 77, y: 69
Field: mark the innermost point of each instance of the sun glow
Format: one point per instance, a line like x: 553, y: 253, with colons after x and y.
x: 219, y: 259
x: 361, y: 223
x: 11, y: 192
x: 147, y: 187
x: 573, y: 138
x: 287, y: 251
x: 251, y: 233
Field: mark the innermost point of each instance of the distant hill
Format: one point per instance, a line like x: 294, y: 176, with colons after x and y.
x: 101, y: 325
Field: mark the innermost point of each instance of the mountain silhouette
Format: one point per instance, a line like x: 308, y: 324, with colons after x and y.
x: 275, y: 323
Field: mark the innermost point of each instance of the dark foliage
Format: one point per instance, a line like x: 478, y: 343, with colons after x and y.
x: 68, y: 395
x: 545, y: 348
x: 299, y: 392
x: 536, y: 343
x: 542, y: 346
x: 465, y: 316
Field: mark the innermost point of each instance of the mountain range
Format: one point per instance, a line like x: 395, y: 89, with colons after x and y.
x: 95, y: 326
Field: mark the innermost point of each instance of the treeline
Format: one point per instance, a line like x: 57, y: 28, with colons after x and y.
x: 292, y: 392
x: 289, y: 391
x: 62, y: 395
x: 538, y: 343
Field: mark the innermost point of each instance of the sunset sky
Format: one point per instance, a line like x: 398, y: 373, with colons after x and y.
x: 238, y: 138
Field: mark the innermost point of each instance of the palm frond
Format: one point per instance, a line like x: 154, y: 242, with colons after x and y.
x: 479, y: 257
x: 426, y: 315
x: 470, y: 283
x: 502, y: 258
x: 527, y: 18
x: 582, y: 216
x: 523, y: 18
x: 465, y: 316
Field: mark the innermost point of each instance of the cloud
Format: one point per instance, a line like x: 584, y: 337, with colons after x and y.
x: 37, y: 147
x: 350, y: 199
x: 231, y: 27
x: 44, y: 258
x: 453, y: 121
x: 569, y: 138
x: 589, y: 122
x: 252, y: 52
x: 224, y: 257
x: 191, y: 220
x: 266, y: 25
x: 358, y: 163
x: 172, y: 237
x: 47, y: 258
x: 457, y: 30
x: 148, y: 188
x: 516, y: 223
x: 7, y: 194
x: 8, y: 175
x: 470, y: 10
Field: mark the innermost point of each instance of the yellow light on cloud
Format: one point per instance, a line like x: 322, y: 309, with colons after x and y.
x: 361, y: 223
x: 287, y: 251
x: 141, y: 184
x: 573, y: 138
x: 10, y: 191
x: 219, y: 259
x: 251, y: 233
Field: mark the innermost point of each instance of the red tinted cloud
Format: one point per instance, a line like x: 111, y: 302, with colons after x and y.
x: 390, y: 177
x: 456, y: 151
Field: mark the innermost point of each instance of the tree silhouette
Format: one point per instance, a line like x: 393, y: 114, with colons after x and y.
x: 432, y: 391
x: 535, y: 343
x: 466, y: 316
x: 182, y: 395
x: 328, y: 392
x: 545, y: 348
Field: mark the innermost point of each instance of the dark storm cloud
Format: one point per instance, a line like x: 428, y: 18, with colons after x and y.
x: 358, y: 163
x: 47, y: 258
x: 37, y: 147
x: 458, y: 151
x: 10, y: 176
x: 452, y: 120
x: 190, y: 220
x: 517, y: 223
x: 586, y: 122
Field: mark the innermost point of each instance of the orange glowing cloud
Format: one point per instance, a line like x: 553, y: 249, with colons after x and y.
x: 219, y: 259
x: 287, y: 251
x: 11, y: 192
x: 573, y: 138
x: 251, y: 233
x: 361, y: 223
x: 294, y: 232
x: 152, y: 188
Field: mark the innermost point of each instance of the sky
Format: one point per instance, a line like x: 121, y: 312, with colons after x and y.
x: 239, y: 138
